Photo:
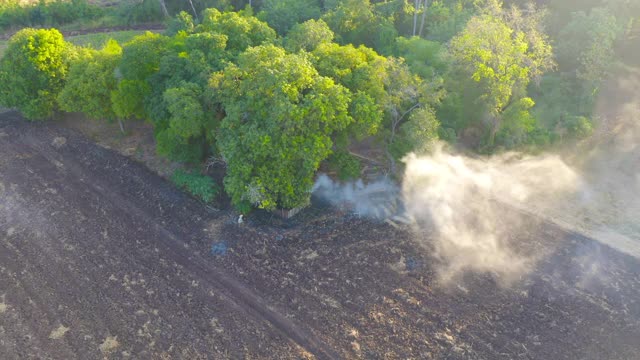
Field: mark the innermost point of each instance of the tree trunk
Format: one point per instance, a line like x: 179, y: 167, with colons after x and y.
x: 415, y: 16
x: 164, y: 8
x: 121, y: 125
x: 195, y: 13
x: 424, y: 15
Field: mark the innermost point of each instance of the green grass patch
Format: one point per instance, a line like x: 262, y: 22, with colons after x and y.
x: 3, y: 47
x: 97, y: 40
x: 201, y: 186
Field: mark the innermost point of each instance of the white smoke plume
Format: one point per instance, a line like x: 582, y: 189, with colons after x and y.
x: 471, y: 206
x: 377, y: 200
x: 593, y: 189
x: 468, y: 212
x: 609, y: 164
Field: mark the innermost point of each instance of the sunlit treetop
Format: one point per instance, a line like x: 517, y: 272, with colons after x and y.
x: 241, y: 28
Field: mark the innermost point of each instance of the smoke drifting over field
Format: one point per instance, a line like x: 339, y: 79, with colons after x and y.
x: 376, y: 200
x: 469, y: 211
x: 473, y: 204
x: 463, y: 201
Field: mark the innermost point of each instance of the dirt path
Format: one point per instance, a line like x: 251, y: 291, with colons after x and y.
x: 101, y: 258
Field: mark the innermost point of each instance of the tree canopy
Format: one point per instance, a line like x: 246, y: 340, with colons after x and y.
x: 91, y: 82
x: 274, y: 88
x: 280, y: 115
x: 33, y: 70
x: 501, y: 58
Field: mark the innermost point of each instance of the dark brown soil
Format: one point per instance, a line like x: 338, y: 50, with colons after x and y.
x: 99, y: 258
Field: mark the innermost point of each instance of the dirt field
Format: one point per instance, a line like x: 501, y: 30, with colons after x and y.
x: 100, y: 258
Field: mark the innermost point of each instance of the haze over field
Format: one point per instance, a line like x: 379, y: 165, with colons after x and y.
x: 475, y: 204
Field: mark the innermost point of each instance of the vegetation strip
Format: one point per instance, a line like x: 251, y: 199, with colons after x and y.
x: 278, y: 91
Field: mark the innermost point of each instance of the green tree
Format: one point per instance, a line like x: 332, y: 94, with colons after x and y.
x: 501, y: 61
x: 363, y: 72
x: 91, y: 82
x: 282, y: 15
x: 183, y: 113
x: 181, y: 22
x: 408, y: 107
x: 33, y: 70
x: 189, y: 129
x: 586, y: 44
x: 355, y: 22
x: 140, y: 59
x: 417, y: 134
x: 280, y: 117
x: 445, y: 19
x: 241, y: 28
x: 517, y: 124
x: 561, y: 97
x: 424, y: 57
x: 308, y: 36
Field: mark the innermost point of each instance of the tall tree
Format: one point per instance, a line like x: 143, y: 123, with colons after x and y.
x: 408, y: 106
x: 33, y: 70
x: 140, y: 59
x: 420, y: 6
x: 282, y: 15
x: 241, y: 28
x: 280, y: 117
x: 501, y: 55
x: 355, y: 22
x: 91, y: 83
x: 586, y: 44
x: 308, y: 36
x: 163, y: 6
x: 363, y: 72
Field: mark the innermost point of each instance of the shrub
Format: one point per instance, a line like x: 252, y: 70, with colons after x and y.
x: 347, y: 166
x: 47, y: 13
x: 33, y: 70
x: 91, y: 82
x: 201, y: 186
x: 579, y: 127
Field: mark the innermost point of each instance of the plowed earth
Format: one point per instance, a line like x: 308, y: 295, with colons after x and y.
x: 100, y: 258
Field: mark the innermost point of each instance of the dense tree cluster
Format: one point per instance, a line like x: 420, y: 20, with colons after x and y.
x: 276, y: 89
x: 33, y: 72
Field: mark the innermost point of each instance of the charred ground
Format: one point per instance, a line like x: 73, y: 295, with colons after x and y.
x: 99, y: 257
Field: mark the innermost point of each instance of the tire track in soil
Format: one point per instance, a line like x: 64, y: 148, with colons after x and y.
x: 44, y: 259
x: 230, y: 290
x: 552, y: 292
x: 122, y: 255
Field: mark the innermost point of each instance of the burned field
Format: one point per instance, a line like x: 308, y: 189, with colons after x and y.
x: 100, y: 258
